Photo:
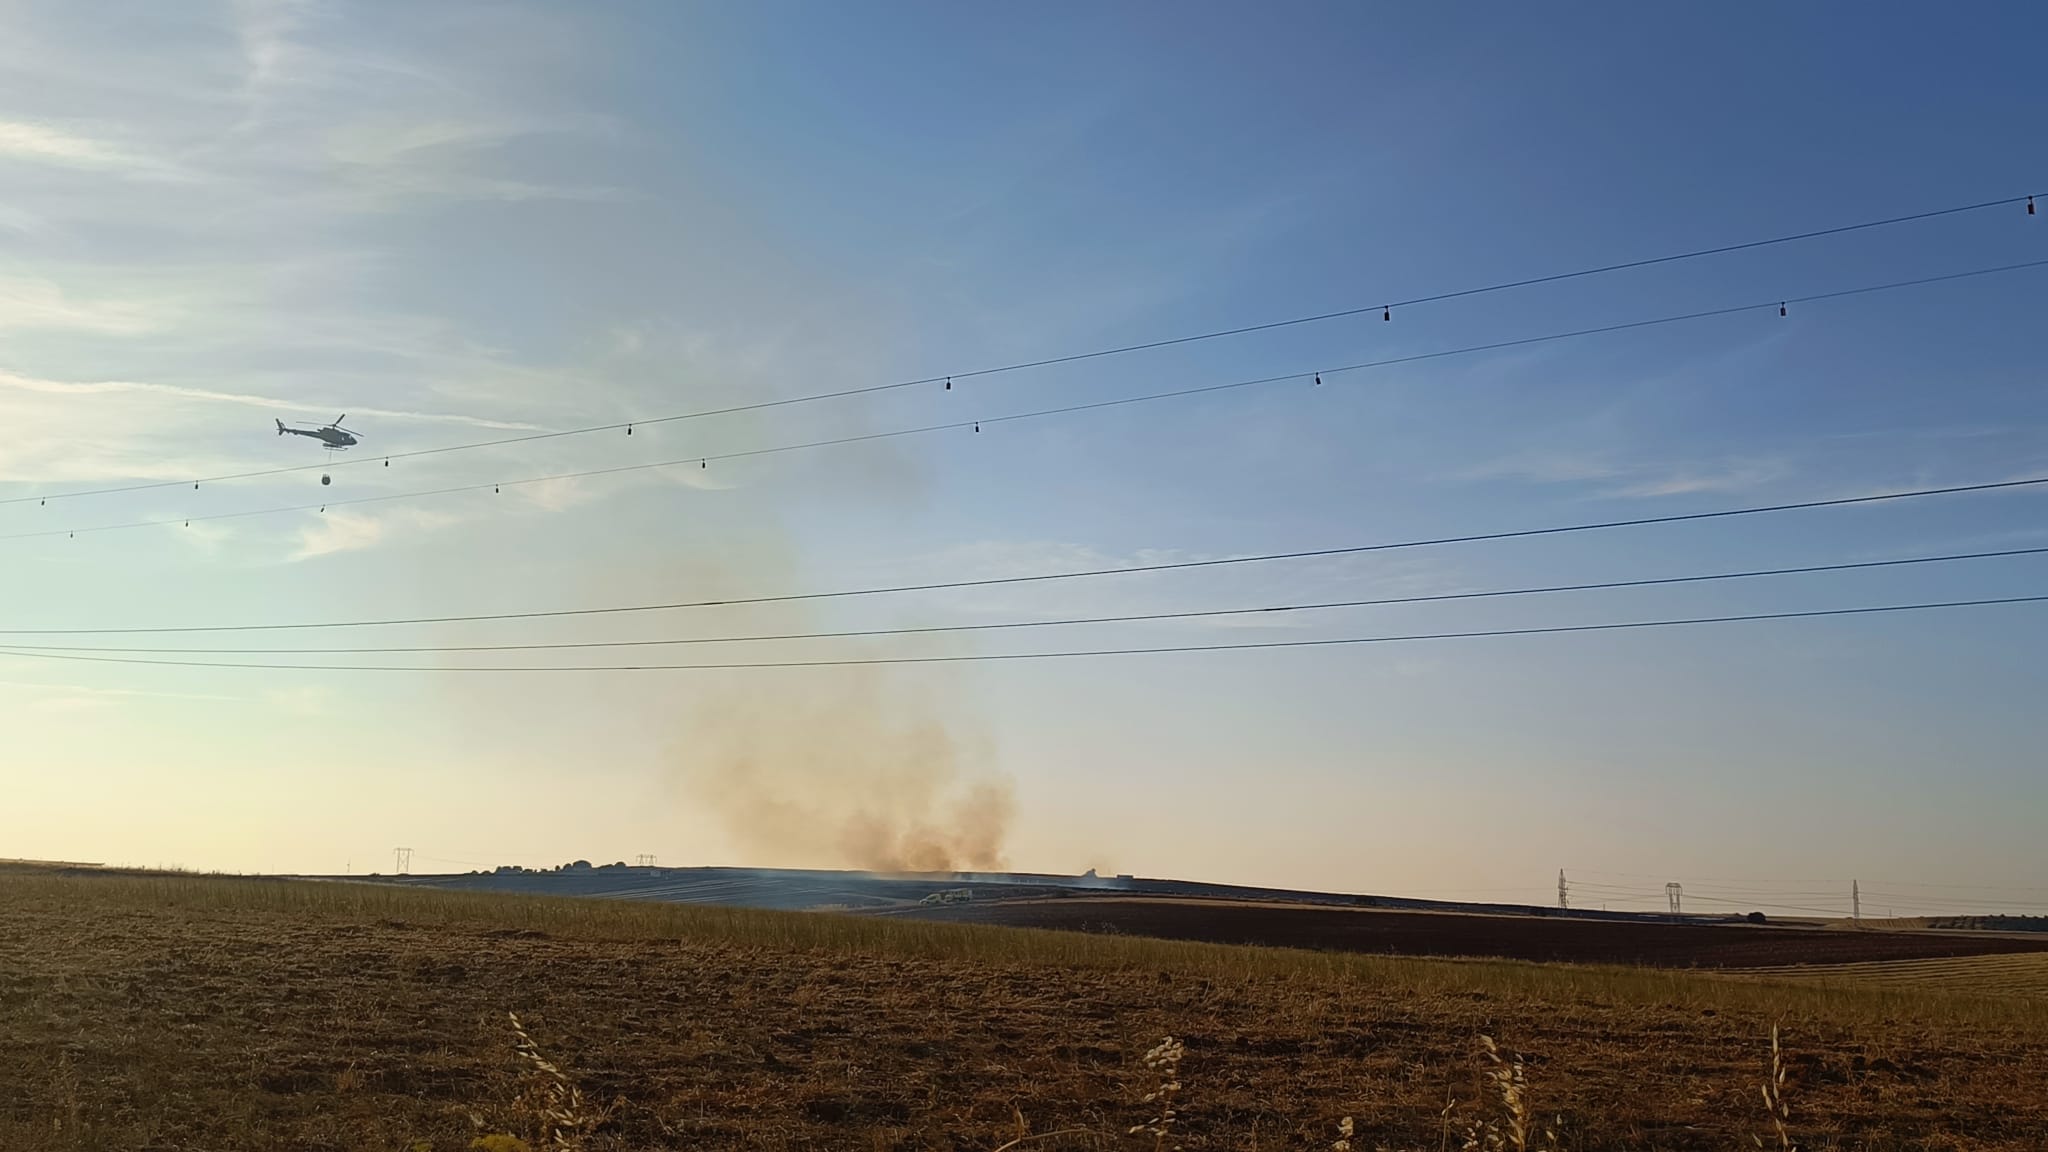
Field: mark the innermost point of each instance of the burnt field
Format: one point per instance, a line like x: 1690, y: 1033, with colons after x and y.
x: 1539, y: 938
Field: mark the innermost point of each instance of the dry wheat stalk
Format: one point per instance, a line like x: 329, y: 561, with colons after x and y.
x: 1774, y: 1098
x: 549, y: 1097
x: 1164, y: 1061
x: 1512, y: 1129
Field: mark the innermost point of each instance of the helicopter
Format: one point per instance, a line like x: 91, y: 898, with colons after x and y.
x: 333, y: 436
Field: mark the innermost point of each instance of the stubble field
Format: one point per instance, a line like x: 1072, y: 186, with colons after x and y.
x: 184, y: 1013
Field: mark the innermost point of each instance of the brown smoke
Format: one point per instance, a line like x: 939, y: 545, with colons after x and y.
x: 841, y: 766
x: 866, y: 767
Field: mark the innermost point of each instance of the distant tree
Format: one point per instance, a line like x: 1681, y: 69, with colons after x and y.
x: 1755, y: 918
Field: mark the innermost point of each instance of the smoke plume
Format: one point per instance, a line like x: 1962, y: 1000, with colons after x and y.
x: 845, y: 767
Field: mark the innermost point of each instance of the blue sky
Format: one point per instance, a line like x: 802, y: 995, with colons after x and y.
x: 456, y: 220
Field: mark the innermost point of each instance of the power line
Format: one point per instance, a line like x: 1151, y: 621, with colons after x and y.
x: 1690, y: 895
x: 1611, y: 893
x: 1973, y: 887
x: 1385, y: 309
x: 1902, y: 901
x: 448, y: 860
x: 1717, y: 880
x: 1764, y: 888
x: 1754, y: 884
x: 1045, y: 577
x: 1129, y: 618
x: 1070, y: 654
x: 1718, y: 890
x: 1315, y: 375
x: 1763, y: 898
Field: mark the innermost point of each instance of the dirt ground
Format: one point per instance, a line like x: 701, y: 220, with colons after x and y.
x: 1450, y: 934
x: 163, y: 1028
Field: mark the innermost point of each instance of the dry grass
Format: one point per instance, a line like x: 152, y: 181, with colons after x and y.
x: 232, y: 1015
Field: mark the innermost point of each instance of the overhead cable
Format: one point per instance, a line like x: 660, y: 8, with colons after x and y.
x: 947, y: 379
x: 1128, y: 618
x: 975, y: 658
x: 1047, y: 577
x: 1896, y: 900
x: 702, y: 460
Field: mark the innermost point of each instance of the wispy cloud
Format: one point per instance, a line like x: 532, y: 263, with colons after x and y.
x: 70, y: 703
x: 556, y: 495
x: 24, y: 140
x: 206, y: 538
x: 385, y: 145
x: 21, y: 221
x: 27, y: 303
x: 401, y: 160
x: 75, y: 691
x: 213, y: 229
x: 264, y: 28
x: 1730, y: 476
x: 1544, y: 467
x: 404, y: 187
x: 41, y: 143
x: 271, y: 403
x: 1606, y: 474
x: 344, y: 531
x: 305, y: 700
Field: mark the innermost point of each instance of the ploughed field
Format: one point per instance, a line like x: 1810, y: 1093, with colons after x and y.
x: 1541, y: 938
x: 175, y: 1013
x: 2014, y: 974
